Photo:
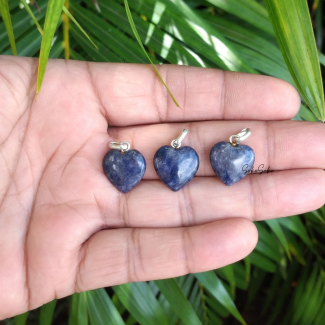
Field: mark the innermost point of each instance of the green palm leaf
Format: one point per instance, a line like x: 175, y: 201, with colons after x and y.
x: 66, y: 11
x: 262, y: 262
x: 28, y: 45
x: 295, y: 225
x: 140, y: 301
x: 173, y: 293
x: 101, y: 309
x: 248, y: 10
x: 228, y: 34
x: 214, y: 285
x: 78, y: 314
x: 110, y: 36
x: 276, y: 228
x: 21, y: 23
x: 230, y: 275
x: 31, y: 14
x: 4, y: 11
x: 134, y: 29
x: 47, y: 312
x: 21, y: 319
x: 53, y: 14
x: 293, y: 30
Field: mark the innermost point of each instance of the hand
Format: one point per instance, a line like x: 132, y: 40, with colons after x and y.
x: 65, y: 228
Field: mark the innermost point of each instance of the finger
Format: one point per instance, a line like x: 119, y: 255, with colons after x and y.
x: 132, y: 94
x: 206, y: 199
x: 118, y: 256
x: 277, y: 144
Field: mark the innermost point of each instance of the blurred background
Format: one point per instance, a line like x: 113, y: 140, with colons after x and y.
x: 282, y: 280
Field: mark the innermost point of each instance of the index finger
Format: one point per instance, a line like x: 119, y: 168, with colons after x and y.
x: 132, y: 94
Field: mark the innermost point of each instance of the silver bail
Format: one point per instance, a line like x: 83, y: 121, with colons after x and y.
x: 176, y: 143
x: 123, y: 146
x: 236, y: 139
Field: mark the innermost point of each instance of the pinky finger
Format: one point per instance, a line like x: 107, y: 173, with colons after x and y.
x: 117, y: 256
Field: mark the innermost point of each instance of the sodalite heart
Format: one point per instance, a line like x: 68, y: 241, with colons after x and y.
x: 231, y: 163
x: 176, y: 167
x: 124, y: 170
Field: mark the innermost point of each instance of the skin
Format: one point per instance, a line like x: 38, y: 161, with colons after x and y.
x: 64, y: 228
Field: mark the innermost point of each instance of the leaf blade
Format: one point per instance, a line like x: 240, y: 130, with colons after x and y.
x: 214, y: 285
x: 230, y: 276
x: 128, y: 13
x: 78, y: 314
x: 295, y: 225
x: 53, y: 14
x: 111, y: 37
x: 67, y: 12
x: 248, y: 10
x: 5, y: 13
x: 21, y: 319
x: 29, y: 11
x: 293, y: 30
x: 47, y: 312
x: 181, y: 306
x: 276, y: 228
x: 101, y: 309
x: 140, y: 301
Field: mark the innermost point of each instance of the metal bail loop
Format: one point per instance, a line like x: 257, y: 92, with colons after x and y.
x: 176, y: 144
x: 236, y: 139
x: 123, y: 146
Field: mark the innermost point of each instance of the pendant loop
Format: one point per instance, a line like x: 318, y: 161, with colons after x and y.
x: 236, y: 139
x: 123, y: 146
x: 176, y: 143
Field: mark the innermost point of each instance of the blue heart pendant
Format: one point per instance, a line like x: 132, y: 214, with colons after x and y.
x: 231, y: 161
x: 124, y: 169
x: 176, y: 166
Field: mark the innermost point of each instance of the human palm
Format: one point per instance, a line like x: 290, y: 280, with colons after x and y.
x: 65, y: 228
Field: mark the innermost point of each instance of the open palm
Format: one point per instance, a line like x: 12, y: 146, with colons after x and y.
x: 65, y: 228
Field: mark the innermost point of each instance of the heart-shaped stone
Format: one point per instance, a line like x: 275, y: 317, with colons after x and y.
x: 176, y: 167
x: 230, y: 163
x: 124, y: 170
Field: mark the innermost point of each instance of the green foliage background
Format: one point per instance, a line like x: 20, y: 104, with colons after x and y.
x: 282, y: 280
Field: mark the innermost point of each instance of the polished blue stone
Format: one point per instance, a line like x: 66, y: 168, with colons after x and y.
x: 124, y: 170
x: 176, y: 167
x: 230, y: 163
